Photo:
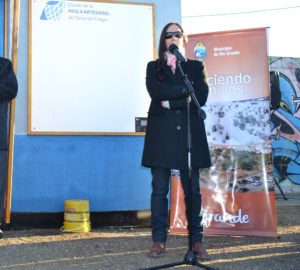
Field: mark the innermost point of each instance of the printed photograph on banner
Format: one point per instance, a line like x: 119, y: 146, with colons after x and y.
x: 238, y: 195
x: 232, y: 188
x: 285, y: 120
x: 238, y: 122
x: 239, y: 169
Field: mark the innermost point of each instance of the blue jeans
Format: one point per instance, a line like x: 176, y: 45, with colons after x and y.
x: 159, y: 203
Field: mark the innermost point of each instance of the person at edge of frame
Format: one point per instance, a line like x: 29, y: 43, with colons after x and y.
x: 8, y: 91
x: 165, y: 146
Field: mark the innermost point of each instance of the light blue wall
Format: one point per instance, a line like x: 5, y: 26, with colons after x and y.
x: 105, y: 170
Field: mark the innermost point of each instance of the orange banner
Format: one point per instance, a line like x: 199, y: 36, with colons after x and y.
x: 245, y: 214
x: 236, y: 62
x: 238, y: 195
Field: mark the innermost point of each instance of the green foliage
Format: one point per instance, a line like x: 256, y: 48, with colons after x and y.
x: 246, y: 160
x: 272, y: 59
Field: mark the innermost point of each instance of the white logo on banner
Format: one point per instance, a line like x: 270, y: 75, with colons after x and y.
x: 208, y: 217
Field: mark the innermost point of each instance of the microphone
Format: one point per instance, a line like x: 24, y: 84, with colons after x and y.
x: 174, y: 49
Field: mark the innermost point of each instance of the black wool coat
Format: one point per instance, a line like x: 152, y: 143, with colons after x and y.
x: 166, y: 133
x: 8, y: 91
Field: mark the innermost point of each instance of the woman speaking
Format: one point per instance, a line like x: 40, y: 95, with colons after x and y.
x: 166, y: 135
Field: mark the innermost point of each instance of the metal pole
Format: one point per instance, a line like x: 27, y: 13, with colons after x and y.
x: 15, y: 32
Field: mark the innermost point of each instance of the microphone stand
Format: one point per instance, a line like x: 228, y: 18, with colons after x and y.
x: 190, y: 257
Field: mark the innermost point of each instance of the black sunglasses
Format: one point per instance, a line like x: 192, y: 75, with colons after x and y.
x: 177, y: 34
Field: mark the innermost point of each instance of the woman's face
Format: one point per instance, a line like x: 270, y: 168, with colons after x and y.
x: 178, y: 41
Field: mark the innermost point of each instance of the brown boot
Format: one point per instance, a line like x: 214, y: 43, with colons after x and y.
x: 157, y: 249
x: 200, y: 251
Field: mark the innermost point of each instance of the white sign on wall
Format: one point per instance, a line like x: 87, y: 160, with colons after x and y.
x: 87, y: 66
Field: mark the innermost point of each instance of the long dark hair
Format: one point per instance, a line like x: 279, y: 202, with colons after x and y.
x: 162, y: 48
